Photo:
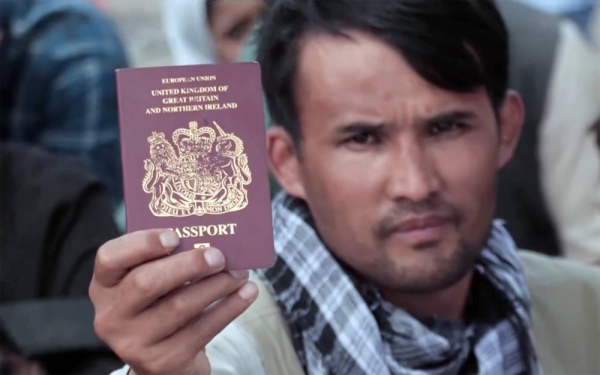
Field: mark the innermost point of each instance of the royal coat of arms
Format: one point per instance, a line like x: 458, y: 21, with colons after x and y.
x: 207, y: 176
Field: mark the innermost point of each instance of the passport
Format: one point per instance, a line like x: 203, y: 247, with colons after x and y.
x: 193, y: 150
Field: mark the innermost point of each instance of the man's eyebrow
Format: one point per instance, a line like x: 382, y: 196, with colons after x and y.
x: 362, y: 126
x: 366, y: 126
x: 449, y: 116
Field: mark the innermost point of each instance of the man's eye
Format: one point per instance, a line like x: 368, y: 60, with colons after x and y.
x: 441, y: 127
x: 364, y: 138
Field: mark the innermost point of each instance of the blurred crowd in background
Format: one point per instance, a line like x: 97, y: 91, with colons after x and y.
x: 60, y: 157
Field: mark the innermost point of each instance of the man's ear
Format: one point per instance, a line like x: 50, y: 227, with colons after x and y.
x: 511, y: 117
x: 284, y: 161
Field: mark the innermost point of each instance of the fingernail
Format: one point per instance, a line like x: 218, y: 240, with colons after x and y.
x: 248, y: 291
x: 168, y: 239
x: 243, y: 274
x: 214, y: 257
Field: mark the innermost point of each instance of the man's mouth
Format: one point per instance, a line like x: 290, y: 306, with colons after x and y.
x: 419, y: 230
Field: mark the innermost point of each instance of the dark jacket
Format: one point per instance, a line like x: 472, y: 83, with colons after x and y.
x: 54, y: 214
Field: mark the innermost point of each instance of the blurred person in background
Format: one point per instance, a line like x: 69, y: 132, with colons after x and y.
x: 208, y: 31
x: 58, y: 90
x: 549, y: 194
x: 54, y: 214
x: 61, y: 176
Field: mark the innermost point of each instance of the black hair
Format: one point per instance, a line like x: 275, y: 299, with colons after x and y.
x: 456, y: 45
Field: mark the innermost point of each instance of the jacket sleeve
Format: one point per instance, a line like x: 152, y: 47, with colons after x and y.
x: 232, y: 352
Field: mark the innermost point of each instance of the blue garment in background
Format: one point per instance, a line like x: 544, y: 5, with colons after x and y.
x: 57, y: 76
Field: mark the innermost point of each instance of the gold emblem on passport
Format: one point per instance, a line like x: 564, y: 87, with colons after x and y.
x: 207, y: 176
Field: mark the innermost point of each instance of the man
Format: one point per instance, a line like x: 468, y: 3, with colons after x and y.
x: 58, y: 90
x: 547, y: 193
x: 388, y: 260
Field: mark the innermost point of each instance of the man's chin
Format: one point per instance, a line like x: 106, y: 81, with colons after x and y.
x: 429, y: 270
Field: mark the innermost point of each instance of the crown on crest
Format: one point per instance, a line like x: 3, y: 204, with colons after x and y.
x: 194, y: 140
x: 156, y: 138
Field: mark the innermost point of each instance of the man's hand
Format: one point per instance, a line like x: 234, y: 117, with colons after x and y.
x: 157, y: 311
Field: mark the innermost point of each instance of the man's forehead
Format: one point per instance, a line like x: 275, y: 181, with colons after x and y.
x: 362, y: 75
x: 359, y: 58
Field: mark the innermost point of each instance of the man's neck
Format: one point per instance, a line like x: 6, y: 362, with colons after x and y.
x: 448, y: 303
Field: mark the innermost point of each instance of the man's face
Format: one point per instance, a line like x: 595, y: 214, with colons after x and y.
x: 231, y: 22
x: 398, y: 174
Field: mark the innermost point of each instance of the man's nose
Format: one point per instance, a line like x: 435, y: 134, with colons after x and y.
x: 413, y: 175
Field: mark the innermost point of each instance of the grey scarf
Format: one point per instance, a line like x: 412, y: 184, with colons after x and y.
x: 340, y: 326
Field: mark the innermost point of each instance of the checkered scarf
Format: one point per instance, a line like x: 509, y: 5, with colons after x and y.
x: 342, y: 326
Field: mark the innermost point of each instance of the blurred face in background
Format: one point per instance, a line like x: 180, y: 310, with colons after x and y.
x: 230, y: 23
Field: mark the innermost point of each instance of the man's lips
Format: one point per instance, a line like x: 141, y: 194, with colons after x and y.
x: 421, y: 229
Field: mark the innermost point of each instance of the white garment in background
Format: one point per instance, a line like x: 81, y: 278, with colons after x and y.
x: 570, y: 159
x: 185, y: 24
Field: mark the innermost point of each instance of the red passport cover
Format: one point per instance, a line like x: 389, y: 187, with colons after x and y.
x: 194, y: 158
